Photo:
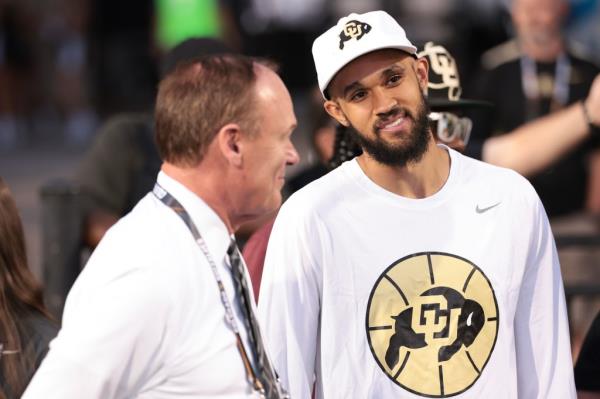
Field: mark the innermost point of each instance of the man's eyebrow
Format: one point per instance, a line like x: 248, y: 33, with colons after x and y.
x: 392, y: 69
x: 351, y: 87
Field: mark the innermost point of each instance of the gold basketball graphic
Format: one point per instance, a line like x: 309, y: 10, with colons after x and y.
x: 432, y: 322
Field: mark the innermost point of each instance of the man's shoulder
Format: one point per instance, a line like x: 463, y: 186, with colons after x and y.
x: 320, y: 192
x: 141, y: 234
x: 500, y: 57
x: 584, y: 69
x: 139, y: 251
x: 496, y: 178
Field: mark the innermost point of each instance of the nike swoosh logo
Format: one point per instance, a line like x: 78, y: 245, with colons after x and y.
x: 482, y: 210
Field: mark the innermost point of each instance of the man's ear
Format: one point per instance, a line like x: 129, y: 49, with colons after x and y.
x: 229, y: 141
x: 334, y: 109
x: 422, y: 72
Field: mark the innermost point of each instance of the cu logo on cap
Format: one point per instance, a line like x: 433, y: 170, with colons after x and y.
x: 353, y: 30
x: 432, y: 323
x: 444, y: 66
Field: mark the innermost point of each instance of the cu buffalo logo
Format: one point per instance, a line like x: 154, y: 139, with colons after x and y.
x: 432, y: 323
x: 353, y: 30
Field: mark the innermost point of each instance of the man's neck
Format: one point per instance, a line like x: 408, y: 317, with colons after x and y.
x: 415, y: 180
x: 201, y: 181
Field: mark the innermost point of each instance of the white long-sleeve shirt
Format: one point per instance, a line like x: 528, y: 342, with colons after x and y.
x: 144, y: 319
x: 373, y: 295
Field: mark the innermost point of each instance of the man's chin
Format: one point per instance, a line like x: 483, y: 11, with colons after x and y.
x: 541, y: 39
x: 269, y: 206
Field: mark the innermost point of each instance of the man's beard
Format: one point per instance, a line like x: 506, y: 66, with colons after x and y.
x: 412, y: 147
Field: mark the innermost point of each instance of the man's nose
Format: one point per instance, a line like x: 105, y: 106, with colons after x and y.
x: 292, y: 156
x: 383, y: 103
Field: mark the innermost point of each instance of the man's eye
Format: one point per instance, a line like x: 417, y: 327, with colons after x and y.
x: 394, y: 79
x: 359, y: 95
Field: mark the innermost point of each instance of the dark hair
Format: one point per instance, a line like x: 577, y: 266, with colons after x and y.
x: 198, y: 98
x: 20, y: 296
x: 345, y: 148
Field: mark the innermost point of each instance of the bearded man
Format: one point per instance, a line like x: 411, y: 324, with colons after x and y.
x: 410, y: 270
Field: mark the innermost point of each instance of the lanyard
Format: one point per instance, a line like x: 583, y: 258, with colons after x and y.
x: 531, y: 84
x: 172, y: 203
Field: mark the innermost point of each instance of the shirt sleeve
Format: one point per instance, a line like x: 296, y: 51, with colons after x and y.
x: 110, y: 342
x: 289, y: 302
x: 544, y: 365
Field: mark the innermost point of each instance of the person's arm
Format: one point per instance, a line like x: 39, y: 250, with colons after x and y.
x: 536, y: 145
x: 541, y: 332
x: 289, y: 302
x: 110, y: 341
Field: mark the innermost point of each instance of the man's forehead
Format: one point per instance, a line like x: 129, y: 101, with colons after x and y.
x: 369, y: 65
x: 272, y: 96
x: 536, y: 3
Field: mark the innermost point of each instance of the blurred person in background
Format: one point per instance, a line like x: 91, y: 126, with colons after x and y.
x: 531, y: 76
x: 25, y: 325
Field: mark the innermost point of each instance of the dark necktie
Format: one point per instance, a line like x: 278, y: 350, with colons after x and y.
x: 265, y: 371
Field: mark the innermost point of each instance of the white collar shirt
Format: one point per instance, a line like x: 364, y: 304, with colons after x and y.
x: 144, y: 319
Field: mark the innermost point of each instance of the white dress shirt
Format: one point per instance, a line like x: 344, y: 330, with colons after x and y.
x: 144, y: 319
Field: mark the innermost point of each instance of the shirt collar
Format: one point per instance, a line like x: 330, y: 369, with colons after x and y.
x: 209, y: 224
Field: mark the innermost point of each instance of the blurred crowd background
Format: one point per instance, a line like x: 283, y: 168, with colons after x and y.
x: 66, y: 66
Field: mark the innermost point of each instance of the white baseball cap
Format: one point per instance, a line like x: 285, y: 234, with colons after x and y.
x: 353, y: 36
